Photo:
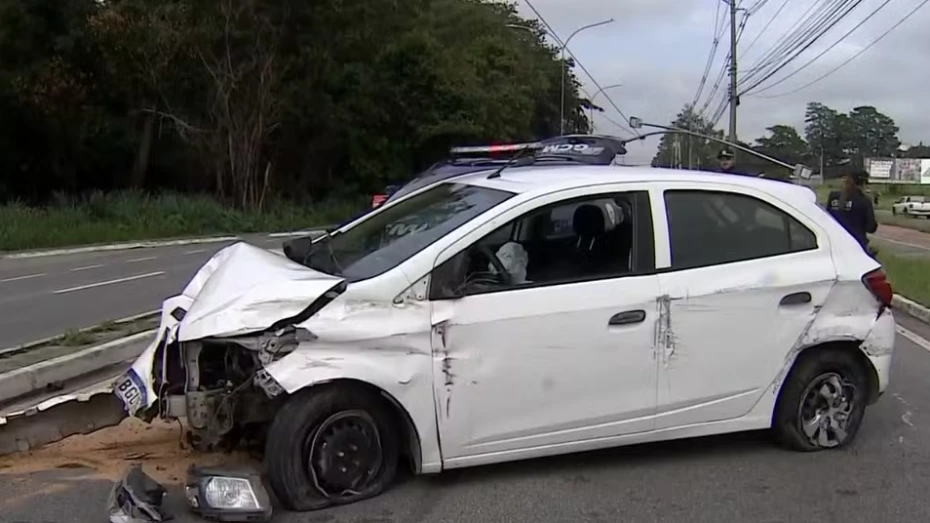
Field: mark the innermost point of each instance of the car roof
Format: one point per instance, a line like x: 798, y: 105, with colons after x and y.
x: 547, y: 179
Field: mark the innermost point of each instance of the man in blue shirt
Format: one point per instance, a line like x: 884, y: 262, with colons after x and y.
x: 853, y: 209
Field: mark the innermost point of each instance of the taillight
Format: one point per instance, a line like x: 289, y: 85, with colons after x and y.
x: 878, y: 284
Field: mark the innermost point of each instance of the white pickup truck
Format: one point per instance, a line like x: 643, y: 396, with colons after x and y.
x: 912, y: 205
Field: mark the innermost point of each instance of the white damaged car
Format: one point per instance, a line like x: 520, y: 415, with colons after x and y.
x: 526, y: 313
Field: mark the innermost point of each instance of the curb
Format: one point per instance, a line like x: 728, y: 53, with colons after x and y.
x: 32, y: 378
x: 36, y: 343
x: 911, y: 307
x: 116, y: 247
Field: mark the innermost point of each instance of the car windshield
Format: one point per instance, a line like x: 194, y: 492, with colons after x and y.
x: 392, y: 235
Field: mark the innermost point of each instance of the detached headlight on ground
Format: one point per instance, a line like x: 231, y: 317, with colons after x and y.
x: 227, y: 494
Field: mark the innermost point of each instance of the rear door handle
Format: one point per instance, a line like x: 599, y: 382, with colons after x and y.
x: 627, y: 318
x: 797, y: 298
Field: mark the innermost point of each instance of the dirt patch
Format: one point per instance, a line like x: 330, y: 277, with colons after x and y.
x: 109, y: 452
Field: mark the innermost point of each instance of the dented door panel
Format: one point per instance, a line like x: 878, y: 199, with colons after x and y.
x: 729, y: 333
x: 534, y: 368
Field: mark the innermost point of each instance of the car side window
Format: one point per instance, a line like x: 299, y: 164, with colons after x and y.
x: 714, y: 227
x: 606, y: 236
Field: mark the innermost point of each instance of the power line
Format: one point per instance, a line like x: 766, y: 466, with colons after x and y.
x: 808, y: 24
x: 765, y: 28
x: 717, y: 34
x: 723, y: 71
x: 785, y: 41
x: 828, y: 25
x: 853, y: 57
x: 828, y: 49
x: 556, y: 37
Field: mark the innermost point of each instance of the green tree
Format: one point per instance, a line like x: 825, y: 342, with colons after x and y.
x: 784, y: 143
x: 917, y: 151
x: 871, y: 134
x: 252, y: 97
x: 686, y: 151
x: 828, y: 134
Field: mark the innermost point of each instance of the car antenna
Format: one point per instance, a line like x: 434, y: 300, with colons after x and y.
x: 516, y: 157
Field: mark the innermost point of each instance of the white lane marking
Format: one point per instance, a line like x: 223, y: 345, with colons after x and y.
x: 914, y: 245
x: 108, y: 282
x: 87, y: 267
x: 919, y: 340
x: 26, y: 277
x: 197, y: 251
x: 147, y: 258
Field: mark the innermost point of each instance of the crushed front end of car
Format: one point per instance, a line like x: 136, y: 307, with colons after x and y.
x: 207, y: 363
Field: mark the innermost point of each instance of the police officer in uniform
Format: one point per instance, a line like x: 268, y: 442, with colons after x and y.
x: 853, y: 209
x: 726, y: 162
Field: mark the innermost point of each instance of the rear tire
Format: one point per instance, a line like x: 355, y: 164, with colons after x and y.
x: 331, y: 446
x: 822, y: 403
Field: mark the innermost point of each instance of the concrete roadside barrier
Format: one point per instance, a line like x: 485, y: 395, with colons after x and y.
x: 911, y: 307
x: 39, y: 376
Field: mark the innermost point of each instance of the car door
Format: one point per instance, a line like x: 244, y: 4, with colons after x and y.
x: 740, y: 280
x: 551, y: 364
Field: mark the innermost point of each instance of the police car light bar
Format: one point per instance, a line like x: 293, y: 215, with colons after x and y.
x: 492, y: 149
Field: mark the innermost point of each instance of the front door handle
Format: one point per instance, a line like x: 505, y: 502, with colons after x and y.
x: 627, y: 318
x: 797, y: 298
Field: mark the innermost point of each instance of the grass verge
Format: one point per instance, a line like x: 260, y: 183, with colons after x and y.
x: 131, y: 216
x: 910, y: 276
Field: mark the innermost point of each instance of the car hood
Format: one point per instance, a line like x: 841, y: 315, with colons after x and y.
x: 245, y: 289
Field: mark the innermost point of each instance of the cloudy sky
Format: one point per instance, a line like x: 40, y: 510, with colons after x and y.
x: 658, y: 50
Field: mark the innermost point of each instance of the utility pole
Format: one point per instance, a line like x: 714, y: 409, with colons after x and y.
x: 734, y: 99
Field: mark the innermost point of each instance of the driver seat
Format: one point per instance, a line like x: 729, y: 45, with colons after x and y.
x: 590, y: 227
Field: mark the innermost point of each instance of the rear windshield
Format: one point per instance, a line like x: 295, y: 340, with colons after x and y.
x: 393, y: 234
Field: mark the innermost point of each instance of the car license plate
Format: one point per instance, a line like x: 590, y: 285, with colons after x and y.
x: 130, y: 390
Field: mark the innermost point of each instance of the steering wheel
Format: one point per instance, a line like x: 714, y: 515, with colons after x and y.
x: 498, y: 266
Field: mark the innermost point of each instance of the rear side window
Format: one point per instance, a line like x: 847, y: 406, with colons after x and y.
x: 713, y: 228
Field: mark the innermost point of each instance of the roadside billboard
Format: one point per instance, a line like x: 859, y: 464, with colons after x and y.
x: 924, y: 171
x: 912, y: 171
x: 880, y: 169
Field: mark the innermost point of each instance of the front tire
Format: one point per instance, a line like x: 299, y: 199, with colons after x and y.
x: 822, y: 403
x: 331, y: 446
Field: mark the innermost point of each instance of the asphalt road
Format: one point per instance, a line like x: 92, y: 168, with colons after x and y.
x: 902, y: 241
x: 883, y: 476
x: 45, y: 296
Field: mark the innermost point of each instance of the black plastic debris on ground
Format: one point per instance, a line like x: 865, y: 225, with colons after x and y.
x: 136, y: 498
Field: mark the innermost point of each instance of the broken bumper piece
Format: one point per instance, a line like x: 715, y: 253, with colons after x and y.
x: 136, y: 498
x: 221, y: 494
